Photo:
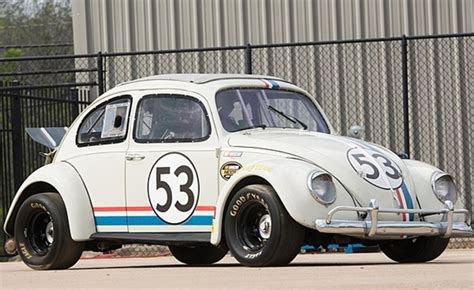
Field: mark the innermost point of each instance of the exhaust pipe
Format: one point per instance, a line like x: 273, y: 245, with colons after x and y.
x: 10, y: 247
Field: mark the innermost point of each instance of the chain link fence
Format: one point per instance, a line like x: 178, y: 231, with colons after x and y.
x: 414, y: 95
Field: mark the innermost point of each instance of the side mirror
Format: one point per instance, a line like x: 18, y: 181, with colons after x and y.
x: 356, y: 131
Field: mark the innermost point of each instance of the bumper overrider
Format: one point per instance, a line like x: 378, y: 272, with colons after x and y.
x: 372, y: 228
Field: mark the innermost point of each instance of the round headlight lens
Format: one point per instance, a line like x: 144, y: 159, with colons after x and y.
x: 322, y: 187
x: 444, y: 188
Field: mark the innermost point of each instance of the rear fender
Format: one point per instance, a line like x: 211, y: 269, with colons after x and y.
x: 60, y: 177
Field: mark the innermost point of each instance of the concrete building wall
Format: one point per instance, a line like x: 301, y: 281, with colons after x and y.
x: 137, y: 25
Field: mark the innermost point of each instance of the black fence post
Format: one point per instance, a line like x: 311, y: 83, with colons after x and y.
x: 248, y: 59
x: 406, y: 110
x: 100, y: 73
x: 17, y: 136
x: 74, y: 92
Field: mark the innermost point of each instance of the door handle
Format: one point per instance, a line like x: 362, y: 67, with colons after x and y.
x: 134, y: 157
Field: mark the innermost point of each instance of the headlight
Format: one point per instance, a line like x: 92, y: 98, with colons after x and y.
x: 322, y: 187
x: 443, y: 187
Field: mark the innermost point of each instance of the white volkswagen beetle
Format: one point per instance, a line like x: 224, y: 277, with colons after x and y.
x: 206, y: 163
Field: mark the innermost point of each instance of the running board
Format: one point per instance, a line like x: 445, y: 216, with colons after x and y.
x: 154, y: 238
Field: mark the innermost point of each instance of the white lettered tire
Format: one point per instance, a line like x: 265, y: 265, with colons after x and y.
x: 258, y: 229
x: 42, y: 234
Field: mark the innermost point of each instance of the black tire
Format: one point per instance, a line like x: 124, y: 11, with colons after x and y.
x: 419, y: 250
x: 258, y: 229
x: 199, y: 254
x: 42, y: 234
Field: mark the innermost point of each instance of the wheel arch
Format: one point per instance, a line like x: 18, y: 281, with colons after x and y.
x: 284, y: 176
x: 31, y: 189
x: 218, y: 224
x: 61, y: 178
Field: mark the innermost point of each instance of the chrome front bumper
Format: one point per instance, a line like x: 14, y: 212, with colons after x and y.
x: 372, y: 228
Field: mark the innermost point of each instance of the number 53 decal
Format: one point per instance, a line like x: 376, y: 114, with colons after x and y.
x: 375, y: 168
x: 173, y: 188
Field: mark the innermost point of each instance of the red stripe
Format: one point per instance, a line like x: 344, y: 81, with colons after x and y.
x: 400, y: 200
x: 146, y: 208
x: 110, y: 208
x: 206, y: 207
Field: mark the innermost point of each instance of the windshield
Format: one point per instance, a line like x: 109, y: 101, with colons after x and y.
x: 241, y: 109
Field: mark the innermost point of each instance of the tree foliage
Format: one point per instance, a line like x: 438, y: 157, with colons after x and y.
x: 36, y: 22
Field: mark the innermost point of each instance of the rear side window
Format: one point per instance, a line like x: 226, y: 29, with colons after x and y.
x: 171, y: 118
x: 106, y: 124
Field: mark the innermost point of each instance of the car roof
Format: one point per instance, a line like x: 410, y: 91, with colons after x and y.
x: 201, y: 78
x: 195, y: 82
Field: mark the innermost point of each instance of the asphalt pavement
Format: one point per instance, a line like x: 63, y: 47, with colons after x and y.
x: 453, y: 270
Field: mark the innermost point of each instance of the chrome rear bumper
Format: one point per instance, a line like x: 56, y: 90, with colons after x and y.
x: 372, y: 228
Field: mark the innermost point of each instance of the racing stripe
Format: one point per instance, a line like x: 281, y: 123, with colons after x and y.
x: 145, y: 216
x: 405, y: 201
x: 271, y: 84
x: 275, y: 85
x: 149, y: 221
x: 401, y: 202
x: 409, y: 201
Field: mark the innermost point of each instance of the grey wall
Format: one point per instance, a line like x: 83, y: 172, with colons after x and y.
x: 136, y: 25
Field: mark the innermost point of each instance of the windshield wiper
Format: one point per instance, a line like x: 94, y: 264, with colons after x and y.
x: 290, y: 118
x: 263, y: 126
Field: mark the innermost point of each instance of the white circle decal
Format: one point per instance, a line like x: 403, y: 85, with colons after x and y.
x: 173, y: 188
x: 375, y: 168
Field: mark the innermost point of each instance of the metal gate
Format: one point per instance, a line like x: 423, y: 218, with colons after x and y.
x: 24, y: 107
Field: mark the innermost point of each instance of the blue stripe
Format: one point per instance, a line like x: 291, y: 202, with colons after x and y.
x: 408, y: 199
x: 148, y: 221
x: 111, y: 220
x: 275, y: 85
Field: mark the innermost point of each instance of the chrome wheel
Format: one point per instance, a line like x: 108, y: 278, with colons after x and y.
x: 265, y: 226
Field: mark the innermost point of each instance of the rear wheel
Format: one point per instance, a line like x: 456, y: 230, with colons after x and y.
x: 42, y: 233
x: 258, y: 229
x: 199, y: 254
x: 418, y: 250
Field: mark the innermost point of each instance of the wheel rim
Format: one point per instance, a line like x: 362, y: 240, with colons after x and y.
x: 254, y: 226
x: 265, y: 226
x: 40, y: 233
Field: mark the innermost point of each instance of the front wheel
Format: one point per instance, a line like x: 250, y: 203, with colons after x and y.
x: 418, y: 250
x: 258, y: 229
x: 42, y: 233
x: 199, y: 254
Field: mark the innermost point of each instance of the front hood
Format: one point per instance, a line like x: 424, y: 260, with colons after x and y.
x: 367, y: 171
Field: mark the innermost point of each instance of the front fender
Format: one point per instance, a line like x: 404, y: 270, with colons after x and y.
x: 421, y: 174
x: 67, y: 182
x: 288, y: 177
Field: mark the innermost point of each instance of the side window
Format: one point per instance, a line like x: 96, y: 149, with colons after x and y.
x: 106, y: 124
x: 171, y: 118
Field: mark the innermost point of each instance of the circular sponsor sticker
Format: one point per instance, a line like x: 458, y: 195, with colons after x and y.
x: 229, y: 169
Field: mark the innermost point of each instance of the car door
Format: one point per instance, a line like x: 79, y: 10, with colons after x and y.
x: 99, y: 159
x: 171, y: 165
